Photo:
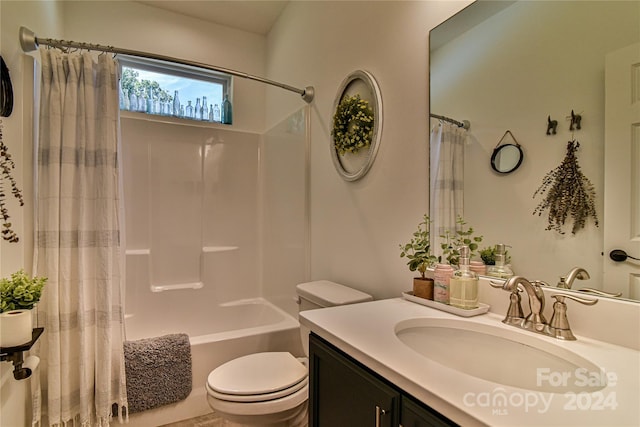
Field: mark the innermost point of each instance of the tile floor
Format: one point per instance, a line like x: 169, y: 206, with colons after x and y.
x: 209, y: 420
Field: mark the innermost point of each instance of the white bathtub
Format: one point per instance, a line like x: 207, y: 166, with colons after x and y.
x: 227, y: 331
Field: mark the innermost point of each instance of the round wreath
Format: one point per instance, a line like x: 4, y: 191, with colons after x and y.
x: 352, y: 125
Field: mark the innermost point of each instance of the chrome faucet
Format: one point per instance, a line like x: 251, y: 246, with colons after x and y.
x: 575, y: 273
x: 558, y: 327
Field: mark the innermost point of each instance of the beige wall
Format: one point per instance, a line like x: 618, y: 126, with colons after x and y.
x: 17, y: 135
x: 136, y: 26
x: 356, y: 227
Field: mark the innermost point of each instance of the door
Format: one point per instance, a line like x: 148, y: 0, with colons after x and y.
x: 622, y: 170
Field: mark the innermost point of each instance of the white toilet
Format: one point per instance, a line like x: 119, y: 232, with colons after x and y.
x: 271, y: 389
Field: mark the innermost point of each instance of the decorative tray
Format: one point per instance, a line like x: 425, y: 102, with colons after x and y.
x: 482, y: 308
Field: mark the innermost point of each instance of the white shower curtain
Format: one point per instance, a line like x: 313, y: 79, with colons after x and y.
x: 447, y: 181
x: 77, y: 240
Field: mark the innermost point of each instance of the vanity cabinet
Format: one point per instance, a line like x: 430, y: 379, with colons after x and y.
x: 344, y: 393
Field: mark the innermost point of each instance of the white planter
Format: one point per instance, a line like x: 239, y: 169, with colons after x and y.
x: 16, y: 328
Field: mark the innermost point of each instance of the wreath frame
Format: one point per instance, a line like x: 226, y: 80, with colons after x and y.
x: 352, y: 166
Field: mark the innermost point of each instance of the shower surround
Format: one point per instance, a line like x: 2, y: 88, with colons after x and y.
x: 216, y: 230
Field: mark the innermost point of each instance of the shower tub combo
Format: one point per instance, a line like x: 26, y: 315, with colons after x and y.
x: 216, y: 234
x: 216, y: 334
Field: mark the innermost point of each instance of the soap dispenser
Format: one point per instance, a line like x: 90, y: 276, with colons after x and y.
x: 463, y: 285
x: 500, y: 269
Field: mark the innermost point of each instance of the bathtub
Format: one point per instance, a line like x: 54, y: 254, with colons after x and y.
x: 228, y: 331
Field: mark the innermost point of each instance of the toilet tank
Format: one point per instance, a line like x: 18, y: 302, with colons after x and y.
x: 321, y: 294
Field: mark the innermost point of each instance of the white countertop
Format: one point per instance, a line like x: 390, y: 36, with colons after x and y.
x: 366, y: 332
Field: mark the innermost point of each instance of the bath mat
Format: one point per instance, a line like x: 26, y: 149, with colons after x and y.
x: 158, y: 371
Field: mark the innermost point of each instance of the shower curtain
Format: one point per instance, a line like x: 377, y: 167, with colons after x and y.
x: 77, y: 240
x: 447, y: 180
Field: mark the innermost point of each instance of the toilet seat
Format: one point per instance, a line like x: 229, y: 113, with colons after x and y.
x: 257, y: 377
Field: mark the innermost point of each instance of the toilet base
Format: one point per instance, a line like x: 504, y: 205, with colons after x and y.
x: 299, y: 417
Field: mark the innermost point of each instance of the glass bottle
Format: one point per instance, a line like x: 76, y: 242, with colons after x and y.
x: 198, y: 111
x: 176, y: 104
x: 203, y: 110
x: 133, y: 101
x: 463, y: 285
x: 500, y: 269
x: 149, y: 108
x: 227, y: 111
x: 121, y: 98
x: 210, y: 112
x: 189, y: 110
x: 126, y: 105
x: 142, y: 102
x: 216, y: 113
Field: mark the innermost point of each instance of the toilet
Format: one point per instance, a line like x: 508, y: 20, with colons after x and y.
x: 271, y: 388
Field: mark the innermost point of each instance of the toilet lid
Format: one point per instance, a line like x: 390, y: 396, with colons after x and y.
x: 259, y: 373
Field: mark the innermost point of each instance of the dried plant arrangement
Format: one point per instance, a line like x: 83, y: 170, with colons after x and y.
x: 6, y: 166
x: 567, y: 192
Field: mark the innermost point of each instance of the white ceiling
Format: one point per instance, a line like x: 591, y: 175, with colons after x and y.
x: 248, y: 15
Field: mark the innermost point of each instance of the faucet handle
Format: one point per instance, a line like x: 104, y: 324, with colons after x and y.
x: 496, y: 285
x: 559, y: 323
x: 515, y: 315
x: 599, y: 292
x: 586, y: 301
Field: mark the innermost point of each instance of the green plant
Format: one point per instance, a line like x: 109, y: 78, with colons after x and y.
x: 568, y: 193
x: 488, y: 255
x: 352, y: 125
x: 418, y: 250
x: 20, y: 291
x: 453, y: 241
x: 6, y: 166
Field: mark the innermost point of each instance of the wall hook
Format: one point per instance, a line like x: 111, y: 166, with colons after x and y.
x: 576, y: 120
x: 551, y: 126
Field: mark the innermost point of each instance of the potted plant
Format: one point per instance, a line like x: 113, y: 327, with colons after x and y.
x: 418, y: 252
x: 488, y: 255
x: 462, y: 237
x: 18, y: 295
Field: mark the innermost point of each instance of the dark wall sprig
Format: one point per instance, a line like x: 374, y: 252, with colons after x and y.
x: 6, y: 166
x: 567, y: 193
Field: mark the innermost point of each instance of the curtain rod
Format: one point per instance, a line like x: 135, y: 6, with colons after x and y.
x: 466, y: 124
x: 29, y: 42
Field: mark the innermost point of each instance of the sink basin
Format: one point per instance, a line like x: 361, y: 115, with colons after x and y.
x: 501, y: 355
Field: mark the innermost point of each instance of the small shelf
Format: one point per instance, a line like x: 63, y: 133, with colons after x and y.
x: 137, y: 252
x: 210, y: 249
x: 177, y: 286
x: 35, y: 334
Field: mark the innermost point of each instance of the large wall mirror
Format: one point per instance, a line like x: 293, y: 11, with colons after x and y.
x: 510, y: 65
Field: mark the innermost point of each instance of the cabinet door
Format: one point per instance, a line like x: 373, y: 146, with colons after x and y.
x: 343, y: 394
x: 414, y: 414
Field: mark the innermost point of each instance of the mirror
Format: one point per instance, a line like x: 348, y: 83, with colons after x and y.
x: 506, y: 158
x: 518, y: 65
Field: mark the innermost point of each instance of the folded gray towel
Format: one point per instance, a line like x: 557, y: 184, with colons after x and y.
x: 158, y: 371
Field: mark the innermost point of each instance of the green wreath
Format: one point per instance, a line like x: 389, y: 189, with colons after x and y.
x: 352, y: 125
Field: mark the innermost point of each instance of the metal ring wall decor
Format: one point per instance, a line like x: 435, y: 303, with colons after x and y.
x: 356, y: 124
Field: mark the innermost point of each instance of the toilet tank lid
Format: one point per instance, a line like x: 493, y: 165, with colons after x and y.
x: 328, y: 294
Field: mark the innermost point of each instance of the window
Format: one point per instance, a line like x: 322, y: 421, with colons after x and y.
x: 169, y: 89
